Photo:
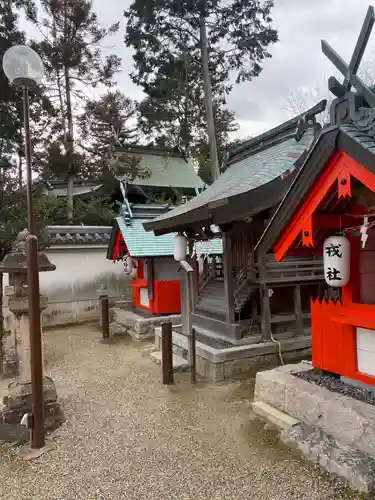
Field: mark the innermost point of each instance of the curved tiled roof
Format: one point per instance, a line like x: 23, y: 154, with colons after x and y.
x: 79, y: 235
x: 256, y: 168
x: 142, y: 244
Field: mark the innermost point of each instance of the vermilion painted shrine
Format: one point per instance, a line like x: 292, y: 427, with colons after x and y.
x: 148, y: 259
x: 333, y: 195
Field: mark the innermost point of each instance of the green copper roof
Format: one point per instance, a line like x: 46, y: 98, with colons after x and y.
x: 168, y: 171
x: 145, y: 244
x: 254, y: 169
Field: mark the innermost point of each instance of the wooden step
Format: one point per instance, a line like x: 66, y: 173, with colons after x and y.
x: 211, y: 312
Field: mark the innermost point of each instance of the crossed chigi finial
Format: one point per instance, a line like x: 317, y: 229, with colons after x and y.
x: 350, y: 71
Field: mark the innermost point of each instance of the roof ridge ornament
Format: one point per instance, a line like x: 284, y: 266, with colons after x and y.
x: 349, y: 105
x: 308, y: 120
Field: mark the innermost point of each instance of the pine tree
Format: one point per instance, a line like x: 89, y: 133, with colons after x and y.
x: 73, y: 59
x: 111, y: 116
x: 168, y: 42
x: 224, y: 124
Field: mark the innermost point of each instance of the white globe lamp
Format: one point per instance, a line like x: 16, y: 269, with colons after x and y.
x: 180, y: 247
x: 23, y: 66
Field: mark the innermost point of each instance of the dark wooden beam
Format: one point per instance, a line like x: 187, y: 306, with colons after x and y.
x: 352, y: 79
x: 298, y: 310
x: 150, y: 278
x: 228, y: 277
x: 264, y: 302
x: 334, y: 221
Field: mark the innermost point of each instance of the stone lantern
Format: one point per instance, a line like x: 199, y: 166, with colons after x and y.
x: 17, y: 348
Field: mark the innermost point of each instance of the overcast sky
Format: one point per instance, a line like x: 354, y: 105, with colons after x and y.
x: 297, y: 63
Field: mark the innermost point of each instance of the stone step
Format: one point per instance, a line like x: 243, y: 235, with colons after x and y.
x: 280, y: 419
x: 179, y: 364
x: 355, y: 466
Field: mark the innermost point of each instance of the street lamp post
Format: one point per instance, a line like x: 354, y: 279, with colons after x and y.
x: 24, y: 68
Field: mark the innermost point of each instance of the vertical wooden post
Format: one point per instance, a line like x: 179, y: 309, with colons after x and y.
x: 265, y: 302
x: 193, y: 366
x: 167, y: 353
x: 213, y: 267
x: 194, y: 284
x: 190, y: 281
x: 228, y: 277
x: 298, y: 310
x: 150, y: 278
x: 254, y: 306
x: 204, y: 266
x: 36, y: 354
x: 189, y: 322
x: 104, y: 306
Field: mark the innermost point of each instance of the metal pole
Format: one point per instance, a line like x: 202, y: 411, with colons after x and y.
x: 20, y: 182
x: 167, y: 353
x: 29, y: 175
x: 36, y: 357
x: 105, y: 316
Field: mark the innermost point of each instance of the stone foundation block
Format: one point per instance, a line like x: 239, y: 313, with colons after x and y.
x: 346, y: 462
x: 348, y: 421
x: 18, y: 401
x: 138, y: 327
x: 270, y: 389
x: 10, y: 364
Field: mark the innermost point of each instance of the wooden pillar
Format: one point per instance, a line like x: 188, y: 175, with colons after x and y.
x: 228, y: 277
x: 298, y: 310
x: 213, y: 267
x: 150, y: 278
x: 194, y: 283
x: 184, y: 304
x: 204, y: 267
x: 264, y: 302
x: 167, y: 352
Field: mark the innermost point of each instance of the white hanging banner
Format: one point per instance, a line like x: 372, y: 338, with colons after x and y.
x: 336, y: 256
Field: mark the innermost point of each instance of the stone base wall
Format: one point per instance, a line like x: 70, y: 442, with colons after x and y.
x: 218, y: 365
x: 349, y: 421
x: 138, y: 327
x: 332, y: 429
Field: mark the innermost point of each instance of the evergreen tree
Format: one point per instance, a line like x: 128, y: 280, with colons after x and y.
x: 112, y: 116
x: 167, y: 38
x: 172, y: 113
x: 10, y: 99
x: 224, y: 124
x: 73, y: 60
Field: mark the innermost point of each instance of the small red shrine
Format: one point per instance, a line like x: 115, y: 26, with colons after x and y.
x: 149, y: 260
x: 330, y: 211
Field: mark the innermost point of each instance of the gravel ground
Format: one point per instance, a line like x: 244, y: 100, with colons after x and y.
x: 334, y: 384
x: 129, y: 437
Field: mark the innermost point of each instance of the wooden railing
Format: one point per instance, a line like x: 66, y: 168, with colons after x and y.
x: 204, y: 279
x: 292, y: 270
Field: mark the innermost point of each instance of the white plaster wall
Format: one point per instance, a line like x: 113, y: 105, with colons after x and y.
x: 366, y: 351
x: 72, y: 288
